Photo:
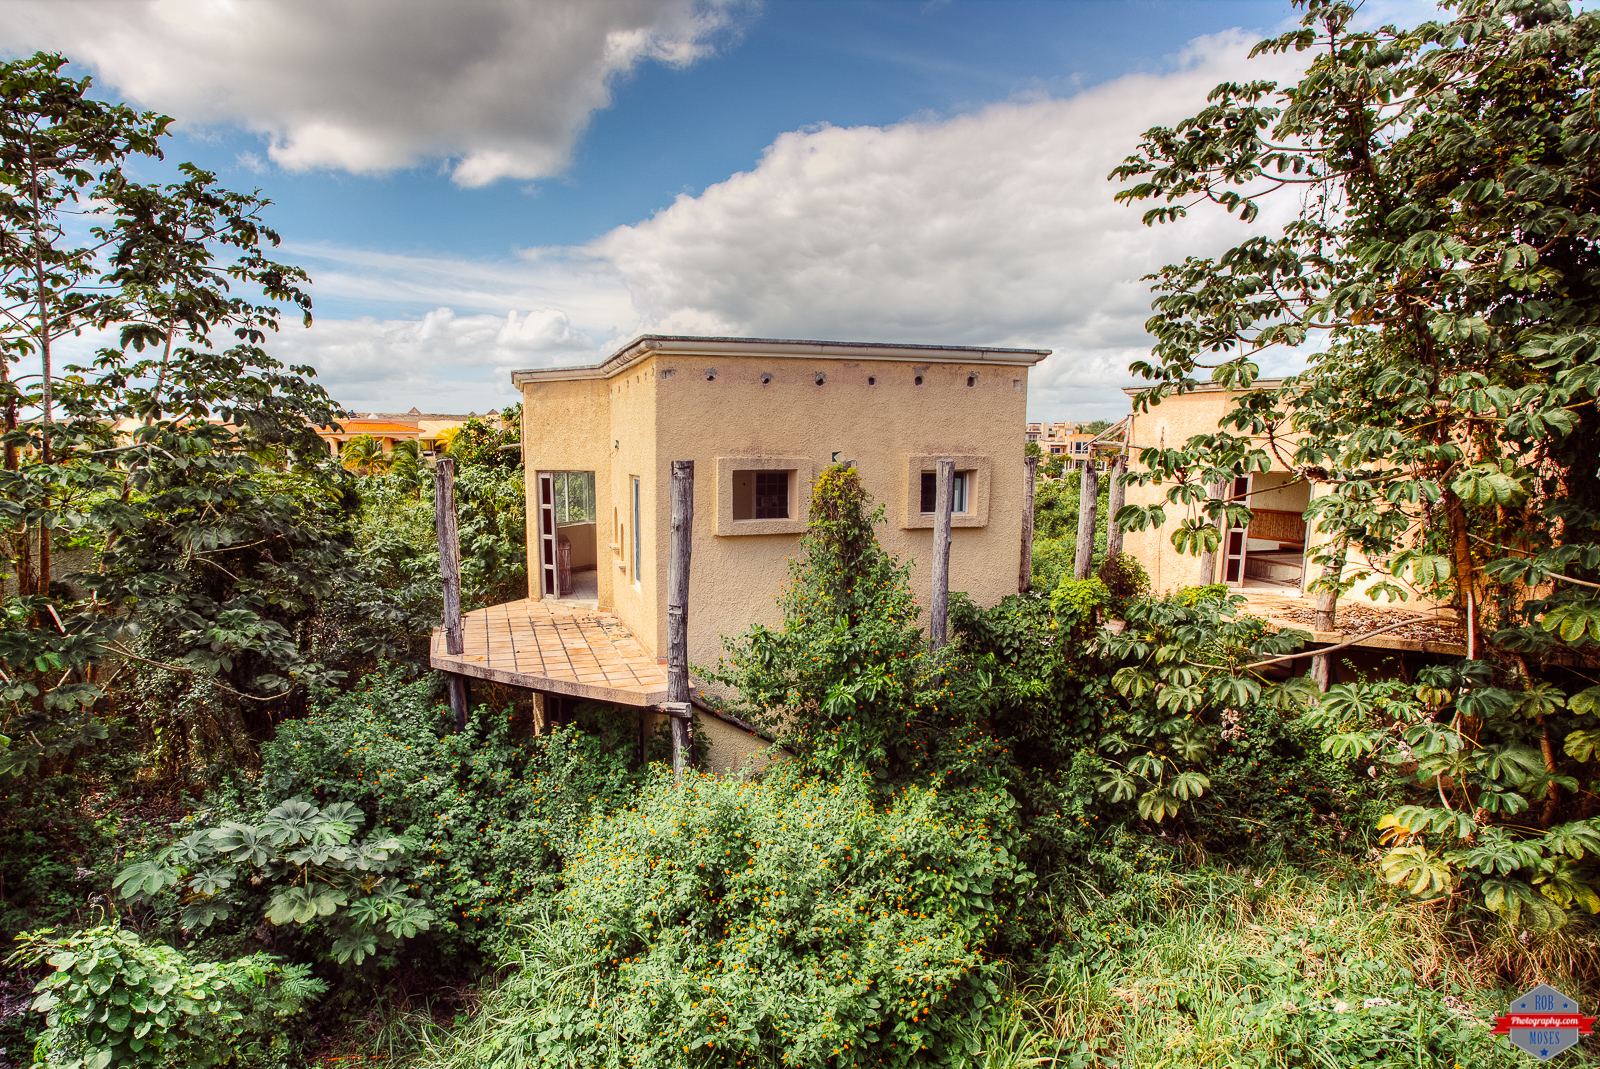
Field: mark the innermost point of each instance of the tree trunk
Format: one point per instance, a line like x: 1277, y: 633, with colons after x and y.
x: 1116, y: 496
x: 678, y: 611
x: 1088, y: 503
x: 1030, y: 478
x: 945, y: 484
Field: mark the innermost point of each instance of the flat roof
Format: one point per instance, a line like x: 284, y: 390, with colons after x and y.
x: 782, y: 348
x: 1207, y: 387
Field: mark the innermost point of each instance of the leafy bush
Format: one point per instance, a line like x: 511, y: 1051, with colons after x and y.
x: 115, y: 1001
x: 1052, y: 561
x: 305, y: 862
x: 490, y: 809
x: 1125, y: 581
x: 1080, y: 597
x: 789, y: 919
x: 847, y: 680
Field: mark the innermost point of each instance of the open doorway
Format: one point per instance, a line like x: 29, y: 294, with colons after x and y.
x: 567, y: 555
x: 1270, y: 553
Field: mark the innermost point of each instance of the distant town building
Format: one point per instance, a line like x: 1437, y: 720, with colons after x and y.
x: 1069, y: 440
x: 427, y: 429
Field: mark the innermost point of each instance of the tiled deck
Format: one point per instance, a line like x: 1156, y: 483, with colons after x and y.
x: 557, y: 647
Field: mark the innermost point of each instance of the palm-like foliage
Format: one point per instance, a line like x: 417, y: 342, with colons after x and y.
x: 364, y: 456
x: 405, y: 463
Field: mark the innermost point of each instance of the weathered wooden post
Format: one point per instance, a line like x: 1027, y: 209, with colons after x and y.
x: 678, y: 612
x: 1325, y: 617
x: 1030, y: 478
x: 1207, y: 573
x: 444, y: 519
x: 1088, y: 505
x: 944, y: 481
x: 1116, y: 497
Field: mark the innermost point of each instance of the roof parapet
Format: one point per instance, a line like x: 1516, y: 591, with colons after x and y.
x: 687, y: 345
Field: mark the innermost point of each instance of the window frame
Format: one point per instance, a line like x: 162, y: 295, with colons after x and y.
x: 979, y: 471
x: 802, y: 475
x: 638, y: 540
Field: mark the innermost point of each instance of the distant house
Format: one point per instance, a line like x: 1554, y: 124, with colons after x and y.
x: 1067, y: 440
x: 760, y: 419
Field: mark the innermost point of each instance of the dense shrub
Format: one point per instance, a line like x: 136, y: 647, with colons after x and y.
x: 790, y: 919
x: 468, y: 824
x: 115, y: 1002
x: 847, y: 681
x: 489, y: 810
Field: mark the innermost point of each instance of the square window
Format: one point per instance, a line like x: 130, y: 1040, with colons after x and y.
x: 930, y: 493
x: 761, y: 494
x: 772, y: 495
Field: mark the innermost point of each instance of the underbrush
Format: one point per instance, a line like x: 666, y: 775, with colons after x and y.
x: 793, y: 920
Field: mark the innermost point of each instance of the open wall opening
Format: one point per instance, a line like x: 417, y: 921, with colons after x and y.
x: 1270, y: 553
x: 568, y: 549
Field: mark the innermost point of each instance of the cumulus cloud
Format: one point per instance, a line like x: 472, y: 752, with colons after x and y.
x: 440, y: 362
x: 996, y: 227
x: 500, y: 88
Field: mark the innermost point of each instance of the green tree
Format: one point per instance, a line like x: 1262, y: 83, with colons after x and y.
x: 1444, y: 250
x: 847, y: 680
x: 189, y: 471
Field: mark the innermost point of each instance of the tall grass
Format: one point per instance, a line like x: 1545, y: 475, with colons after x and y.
x: 1285, y: 968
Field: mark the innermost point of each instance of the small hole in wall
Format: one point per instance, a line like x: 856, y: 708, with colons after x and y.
x: 711, y: 374
x: 872, y: 380
x: 821, y: 378
x: 918, y: 380
x: 765, y: 378
x: 972, y: 380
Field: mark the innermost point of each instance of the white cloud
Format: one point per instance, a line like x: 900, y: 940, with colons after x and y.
x: 993, y: 228
x: 442, y: 362
x: 501, y: 88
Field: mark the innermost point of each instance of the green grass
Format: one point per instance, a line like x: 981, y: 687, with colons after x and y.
x: 1287, y: 969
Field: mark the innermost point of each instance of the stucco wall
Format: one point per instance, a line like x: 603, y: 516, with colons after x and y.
x: 566, y: 426
x: 734, y: 579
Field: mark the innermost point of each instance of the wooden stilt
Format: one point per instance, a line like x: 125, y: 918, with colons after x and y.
x: 1030, y: 478
x: 681, y: 714
x: 1325, y: 617
x: 678, y: 612
x: 1088, y: 504
x: 444, y: 518
x: 945, y: 484
x: 1117, y: 495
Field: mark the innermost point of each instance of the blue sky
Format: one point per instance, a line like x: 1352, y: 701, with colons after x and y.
x: 481, y: 187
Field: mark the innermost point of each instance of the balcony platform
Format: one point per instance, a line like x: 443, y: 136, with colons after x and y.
x: 567, y: 648
x: 1442, y: 633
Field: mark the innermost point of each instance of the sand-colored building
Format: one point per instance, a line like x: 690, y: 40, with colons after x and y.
x: 427, y: 429
x: 1068, y: 440
x: 1274, y: 553
x: 760, y: 419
